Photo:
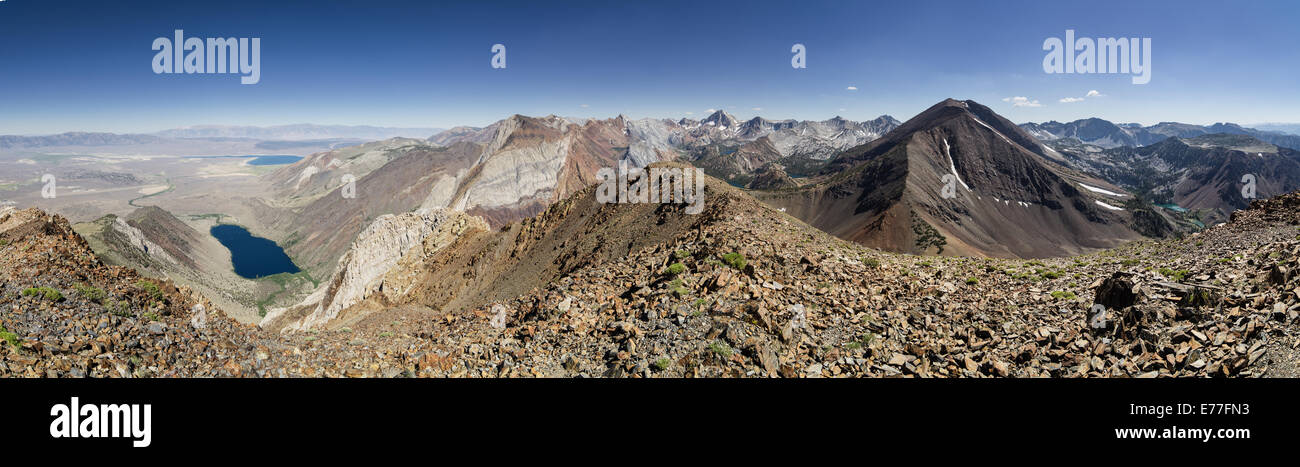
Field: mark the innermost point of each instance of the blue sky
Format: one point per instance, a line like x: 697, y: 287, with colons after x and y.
x: 85, y: 65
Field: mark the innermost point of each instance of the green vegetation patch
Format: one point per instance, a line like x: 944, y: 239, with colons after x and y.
x: 1063, y: 295
x: 735, y: 260
x: 10, y: 337
x: 43, y: 292
x: 90, y: 293
x: 1174, y: 274
x: 155, y: 293
x: 720, y: 349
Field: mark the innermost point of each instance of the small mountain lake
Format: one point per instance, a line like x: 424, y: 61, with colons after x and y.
x: 253, y: 256
x: 1173, y: 207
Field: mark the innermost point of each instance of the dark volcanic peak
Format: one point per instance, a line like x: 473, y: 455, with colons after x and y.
x: 960, y: 179
x: 969, y: 111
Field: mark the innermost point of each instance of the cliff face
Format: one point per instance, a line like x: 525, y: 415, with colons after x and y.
x: 368, y: 268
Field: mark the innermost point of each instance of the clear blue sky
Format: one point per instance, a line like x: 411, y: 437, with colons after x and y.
x: 85, y: 65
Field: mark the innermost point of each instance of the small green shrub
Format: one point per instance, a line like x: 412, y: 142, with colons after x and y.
x: 43, y: 292
x: 117, y: 308
x: 1063, y: 295
x: 1173, y: 274
x: 155, y: 293
x: 871, y: 262
x: 93, y: 294
x: 681, y: 254
x: 10, y: 337
x: 663, y: 363
x: 675, y: 269
x: 735, y: 260
x: 721, y: 349
x: 972, y: 281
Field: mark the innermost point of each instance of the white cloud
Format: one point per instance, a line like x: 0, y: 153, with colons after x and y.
x: 711, y: 110
x: 584, y: 106
x: 852, y: 88
x: 757, y: 109
x: 1092, y: 93
x: 1021, y: 101
x: 690, y: 113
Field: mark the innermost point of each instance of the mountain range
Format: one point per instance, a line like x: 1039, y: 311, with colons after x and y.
x: 957, y: 179
x: 296, y: 132
x: 1104, y: 134
x: 1202, y: 174
x: 279, y: 133
x: 724, y: 146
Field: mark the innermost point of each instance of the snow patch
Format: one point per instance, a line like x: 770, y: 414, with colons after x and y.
x: 1099, y: 190
x: 996, y: 132
x: 1107, y: 206
x: 947, y: 151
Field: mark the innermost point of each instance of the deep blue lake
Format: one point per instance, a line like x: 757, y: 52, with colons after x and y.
x: 254, y: 257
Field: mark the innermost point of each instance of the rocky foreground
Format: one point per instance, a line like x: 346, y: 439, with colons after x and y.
x: 750, y: 292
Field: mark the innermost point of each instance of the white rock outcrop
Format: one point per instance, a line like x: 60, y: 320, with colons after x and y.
x: 365, y: 269
x: 137, y: 239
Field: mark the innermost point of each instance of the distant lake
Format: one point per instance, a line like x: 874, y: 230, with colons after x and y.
x: 274, y: 160
x: 1173, y: 207
x: 254, y: 257
x: 257, y: 160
